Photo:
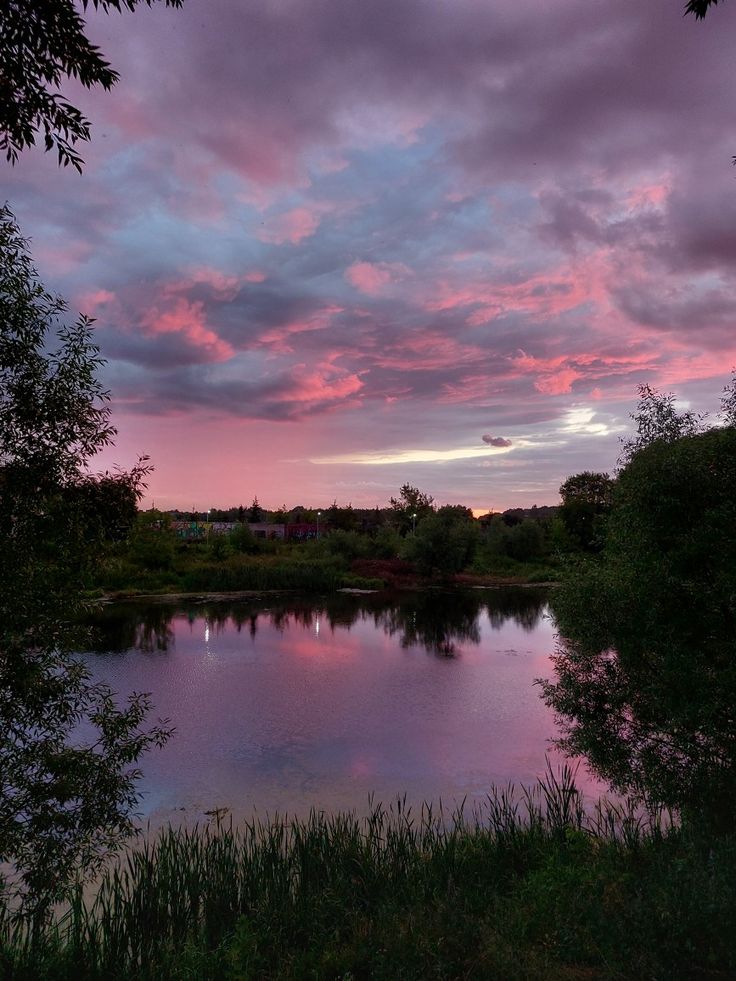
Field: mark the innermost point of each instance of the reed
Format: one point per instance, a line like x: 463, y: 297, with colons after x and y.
x: 525, y: 884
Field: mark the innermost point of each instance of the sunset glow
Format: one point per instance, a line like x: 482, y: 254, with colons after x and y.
x: 332, y: 248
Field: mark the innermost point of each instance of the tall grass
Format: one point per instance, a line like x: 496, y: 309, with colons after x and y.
x: 236, y: 573
x: 526, y: 885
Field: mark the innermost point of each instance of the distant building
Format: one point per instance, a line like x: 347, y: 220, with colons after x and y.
x: 262, y: 529
x: 221, y: 527
x: 299, y: 531
x: 189, y: 530
x: 197, y: 530
x: 302, y: 531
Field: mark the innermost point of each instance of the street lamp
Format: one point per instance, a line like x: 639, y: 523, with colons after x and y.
x: 319, y: 513
x: 414, y: 523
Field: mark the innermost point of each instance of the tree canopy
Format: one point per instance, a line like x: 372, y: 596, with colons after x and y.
x: 410, y: 507
x: 646, y: 673
x: 657, y: 417
x: 699, y: 7
x: 43, y: 43
x: 68, y: 751
x: 586, y: 500
x: 444, y: 541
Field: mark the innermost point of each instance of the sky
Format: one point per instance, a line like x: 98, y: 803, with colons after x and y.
x: 333, y: 247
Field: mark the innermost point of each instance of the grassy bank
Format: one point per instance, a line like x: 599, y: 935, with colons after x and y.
x: 312, y: 567
x: 528, y: 887
x: 196, y: 569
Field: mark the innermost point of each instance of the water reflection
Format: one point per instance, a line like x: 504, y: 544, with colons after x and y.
x: 289, y: 702
x: 442, y: 623
x: 439, y: 624
x: 651, y: 708
x: 120, y: 627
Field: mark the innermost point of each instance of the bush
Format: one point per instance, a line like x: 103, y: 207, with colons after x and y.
x: 220, y: 547
x: 647, y: 678
x: 243, y: 540
x: 525, y: 541
x: 386, y: 544
x: 528, y: 887
x: 347, y: 545
x: 152, y: 544
x: 444, y: 541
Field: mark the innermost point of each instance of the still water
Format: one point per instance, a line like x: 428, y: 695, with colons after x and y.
x: 284, y: 704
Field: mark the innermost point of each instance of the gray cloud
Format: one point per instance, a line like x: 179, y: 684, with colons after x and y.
x: 550, y: 184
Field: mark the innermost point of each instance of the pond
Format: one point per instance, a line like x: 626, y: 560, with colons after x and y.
x: 283, y: 704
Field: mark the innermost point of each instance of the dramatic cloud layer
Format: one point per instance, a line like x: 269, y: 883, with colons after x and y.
x: 328, y: 244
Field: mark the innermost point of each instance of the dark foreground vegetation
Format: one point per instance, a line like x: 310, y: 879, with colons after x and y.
x: 644, y: 686
x: 526, y: 887
x: 153, y: 560
x: 409, y: 543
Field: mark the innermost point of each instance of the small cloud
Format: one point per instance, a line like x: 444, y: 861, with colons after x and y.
x: 373, y: 277
x: 496, y: 440
x: 291, y: 226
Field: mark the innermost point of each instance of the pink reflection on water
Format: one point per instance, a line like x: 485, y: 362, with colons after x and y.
x: 288, y: 711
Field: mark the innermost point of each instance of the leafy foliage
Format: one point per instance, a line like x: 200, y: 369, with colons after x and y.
x: 44, y: 42
x: 728, y: 402
x: 444, y: 541
x: 657, y: 418
x: 699, y: 7
x: 586, y: 499
x: 410, y: 507
x: 255, y: 512
x: 67, y: 751
x: 151, y: 543
x: 526, y: 886
x: 646, y: 677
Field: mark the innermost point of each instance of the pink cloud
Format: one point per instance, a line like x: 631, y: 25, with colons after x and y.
x: 224, y: 286
x: 539, y: 296
x: 372, y: 277
x: 424, y: 349
x: 278, y: 337
x: 649, y: 195
x: 685, y: 365
x: 91, y: 302
x: 187, y: 318
x: 374, y: 123
x: 290, y: 226
x: 64, y: 259
x: 559, y: 382
x: 324, y: 384
x: 557, y: 375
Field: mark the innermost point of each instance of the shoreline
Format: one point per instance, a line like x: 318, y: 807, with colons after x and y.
x: 216, y: 596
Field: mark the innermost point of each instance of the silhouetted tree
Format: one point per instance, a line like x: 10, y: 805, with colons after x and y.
x: 411, y: 507
x: 699, y: 7
x: 728, y: 402
x: 342, y: 519
x: 586, y: 500
x: 64, y: 797
x: 152, y: 541
x: 657, y: 418
x: 42, y: 42
x: 444, y: 542
x: 646, y: 675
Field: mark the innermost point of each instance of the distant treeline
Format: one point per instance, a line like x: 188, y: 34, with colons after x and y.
x: 411, y: 539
